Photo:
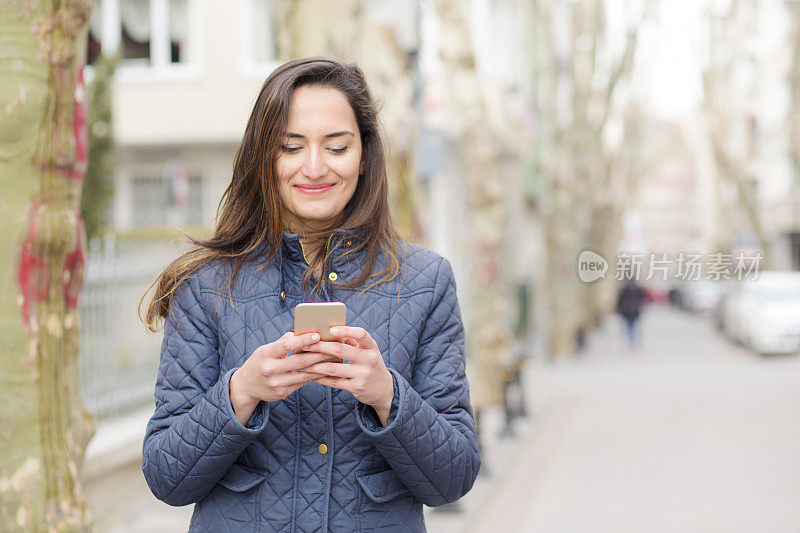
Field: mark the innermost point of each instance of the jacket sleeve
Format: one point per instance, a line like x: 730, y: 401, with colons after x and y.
x: 429, y: 440
x: 194, y: 436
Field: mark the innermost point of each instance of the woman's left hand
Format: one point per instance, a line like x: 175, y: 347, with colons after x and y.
x: 366, y: 377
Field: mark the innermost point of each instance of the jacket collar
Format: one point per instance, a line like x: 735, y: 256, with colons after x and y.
x: 339, y: 242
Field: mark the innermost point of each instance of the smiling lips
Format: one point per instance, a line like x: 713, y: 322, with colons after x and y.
x: 314, y: 189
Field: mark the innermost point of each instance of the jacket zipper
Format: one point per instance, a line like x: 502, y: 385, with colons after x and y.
x: 303, y: 250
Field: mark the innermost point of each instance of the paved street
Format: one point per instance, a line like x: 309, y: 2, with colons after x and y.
x: 688, y: 434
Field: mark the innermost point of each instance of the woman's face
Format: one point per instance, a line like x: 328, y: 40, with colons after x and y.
x: 320, y: 157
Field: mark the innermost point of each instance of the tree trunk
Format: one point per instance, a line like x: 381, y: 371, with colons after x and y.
x: 488, y: 333
x: 43, y: 153
x: 578, y: 167
x: 718, y: 84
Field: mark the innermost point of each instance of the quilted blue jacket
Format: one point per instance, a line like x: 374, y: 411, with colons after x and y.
x: 273, y: 474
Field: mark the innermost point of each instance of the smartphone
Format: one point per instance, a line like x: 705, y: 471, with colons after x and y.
x: 320, y: 317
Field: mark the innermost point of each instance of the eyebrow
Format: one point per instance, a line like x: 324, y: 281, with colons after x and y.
x: 326, y: 136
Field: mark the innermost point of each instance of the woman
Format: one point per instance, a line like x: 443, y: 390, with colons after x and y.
x: 262, y: 441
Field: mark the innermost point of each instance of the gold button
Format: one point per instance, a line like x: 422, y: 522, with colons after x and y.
x: 349, y: 243
x: 283, y: 296
x: 323, y: 449
x: 333, y: 276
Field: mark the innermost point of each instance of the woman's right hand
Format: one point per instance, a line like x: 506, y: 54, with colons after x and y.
x: 268, y: 375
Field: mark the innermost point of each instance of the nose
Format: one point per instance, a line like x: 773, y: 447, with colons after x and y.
x: 314, y: 166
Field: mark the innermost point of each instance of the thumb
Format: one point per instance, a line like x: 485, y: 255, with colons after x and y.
x: 275, y: 349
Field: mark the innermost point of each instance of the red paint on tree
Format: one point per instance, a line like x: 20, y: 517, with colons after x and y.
x: 74, y: 264
x: 79, y: 130
x: 32, y: 272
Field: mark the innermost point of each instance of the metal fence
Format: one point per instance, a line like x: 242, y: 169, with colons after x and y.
x: 118, y: 358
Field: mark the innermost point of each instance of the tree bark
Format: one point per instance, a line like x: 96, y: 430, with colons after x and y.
x: 43, y: 153
x: 718, y: 82
x: 488, y: 333
x: 578, y: 168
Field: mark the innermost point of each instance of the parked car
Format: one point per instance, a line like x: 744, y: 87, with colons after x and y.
x: 701, y: 296
x: 764, y: 313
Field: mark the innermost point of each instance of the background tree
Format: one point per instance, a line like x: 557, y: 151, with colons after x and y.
x: 725, y: 119
x: 488, y: 334
x: 98, y: 187
x: 579, y: 75
x: 43, y: 157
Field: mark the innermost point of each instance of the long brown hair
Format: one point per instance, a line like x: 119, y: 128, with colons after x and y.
x: 249, y: 212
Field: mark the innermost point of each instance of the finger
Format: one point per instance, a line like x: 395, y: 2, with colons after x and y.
x: 291, y: 379
x: 310, y: 376
x: 291, y: 342
x: 360, y: 335
x: 351, y: 342
x: 337, y: 370
x: 336, y: 383
x: 301, y: 360
x: 338, y: 349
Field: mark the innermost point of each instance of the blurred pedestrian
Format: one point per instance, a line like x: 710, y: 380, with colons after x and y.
x: 262, y: 437
x: 629, y: 305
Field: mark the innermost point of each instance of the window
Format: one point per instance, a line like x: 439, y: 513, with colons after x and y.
x: 174, y: 199
x: 150, y: 34
x: 178, y: 34
x: 263, y: 21
x: 94, y: 46
x: 135, y: 31
x: 194, y: 214
x: 149, y: 202
x: 259, y: 38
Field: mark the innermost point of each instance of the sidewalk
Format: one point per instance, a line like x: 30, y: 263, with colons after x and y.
x: 689, y: 434
x: 495, y: 499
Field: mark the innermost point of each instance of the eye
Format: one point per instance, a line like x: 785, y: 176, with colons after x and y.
x: 290, y: 149
x: 338, y: 150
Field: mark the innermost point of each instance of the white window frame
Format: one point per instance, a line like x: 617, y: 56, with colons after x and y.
x: 173, y: 215
x: 251, y: 68
x: 160, y: 67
